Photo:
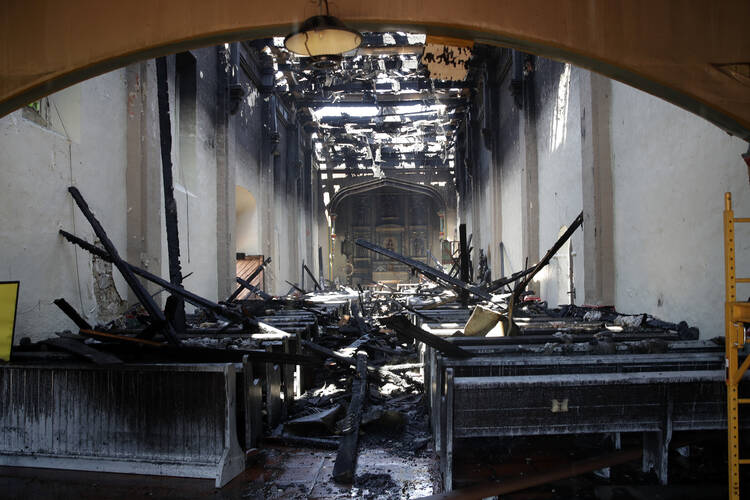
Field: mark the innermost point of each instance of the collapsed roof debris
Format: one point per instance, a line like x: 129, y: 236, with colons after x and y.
x: 319, y: 367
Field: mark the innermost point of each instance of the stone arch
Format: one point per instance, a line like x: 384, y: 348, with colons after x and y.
x: 371, y: 185
x: 696, y: 58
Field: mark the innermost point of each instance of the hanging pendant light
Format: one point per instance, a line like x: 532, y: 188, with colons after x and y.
x: 322, y: 36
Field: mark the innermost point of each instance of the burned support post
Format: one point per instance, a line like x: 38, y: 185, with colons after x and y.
x: 464, y: 259
x: 320, y: 266
x: 78, y: 348
x: 302, y: 275
x: 312, y: 277
x: 156, y: 315
x: 170, y: 205
x: 346, y: 459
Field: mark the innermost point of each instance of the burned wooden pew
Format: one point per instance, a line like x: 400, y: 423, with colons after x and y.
x: 346, y: 458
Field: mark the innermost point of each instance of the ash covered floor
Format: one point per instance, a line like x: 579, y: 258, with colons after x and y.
x: 382, y: 473
x: 277, y: 473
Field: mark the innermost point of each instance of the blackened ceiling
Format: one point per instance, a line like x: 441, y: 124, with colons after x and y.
x: 376, y: 111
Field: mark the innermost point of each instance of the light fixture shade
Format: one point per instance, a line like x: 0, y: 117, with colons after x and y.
x: 322, y: 36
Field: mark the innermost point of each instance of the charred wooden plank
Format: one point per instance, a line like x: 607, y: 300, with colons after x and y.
x: 328, y: 353
x: 156, y: 315
x: 294, y: 285
x: 429, y: 272
x: 71, y: 313
x: 346, y: 458
x: 403, y: 326
x: 82, y: 350
x: 257, y: 291
x: 309, y: 273
x: 501, y: 282
x: 513, y: 330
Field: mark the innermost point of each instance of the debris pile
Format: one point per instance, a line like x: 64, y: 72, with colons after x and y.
x: 343, y: 369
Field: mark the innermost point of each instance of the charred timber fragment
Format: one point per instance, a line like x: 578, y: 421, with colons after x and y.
x: 71, y: 313
x: 257, y: 291
x: 312, y: 277
x: 82, y: 350
x: 518, y: 290
x: 429, y: 272
x: 346, y: 459
x: 401, y: 325
x: 501, y: 282
x: 357, y: 313
x: 157, y: 316
x: 296, y: 287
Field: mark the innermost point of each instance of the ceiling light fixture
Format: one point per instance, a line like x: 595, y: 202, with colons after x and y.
x: 322, y: 36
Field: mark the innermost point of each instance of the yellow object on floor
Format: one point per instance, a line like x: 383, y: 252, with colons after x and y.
x: 8, y: 303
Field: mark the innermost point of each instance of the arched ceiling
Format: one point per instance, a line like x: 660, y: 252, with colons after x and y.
x: 364, y: 187
x: 695, y: 54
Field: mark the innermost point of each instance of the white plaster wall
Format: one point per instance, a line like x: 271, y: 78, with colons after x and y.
x: 558, y: 129
x: 246, y: 222
x: 512, y: 234
x: 670, y: 171
x: 37, y: 164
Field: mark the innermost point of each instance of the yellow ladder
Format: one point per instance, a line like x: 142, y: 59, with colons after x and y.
x: 736, y: 314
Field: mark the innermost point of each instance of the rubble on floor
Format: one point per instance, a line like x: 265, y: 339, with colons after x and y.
x: 346, y: 390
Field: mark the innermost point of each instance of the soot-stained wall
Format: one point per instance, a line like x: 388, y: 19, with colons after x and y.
x: 648, y: 176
